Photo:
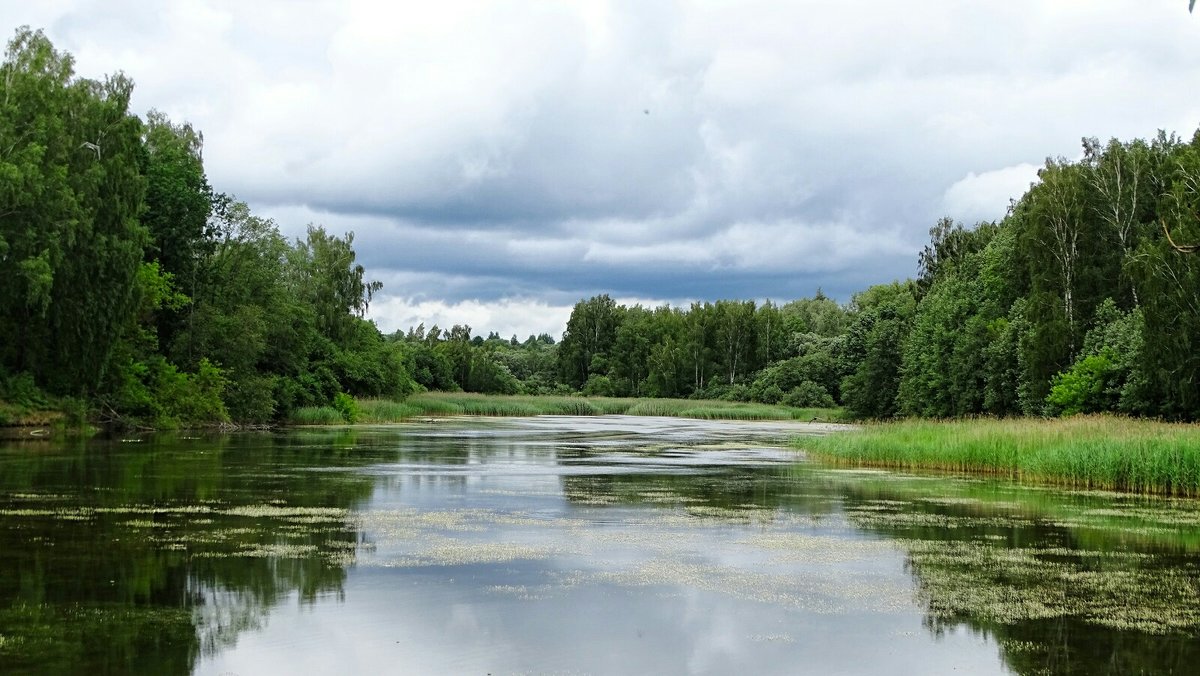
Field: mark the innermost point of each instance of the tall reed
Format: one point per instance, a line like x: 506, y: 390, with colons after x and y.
x: 1105, y: 452
x: 440, y: 404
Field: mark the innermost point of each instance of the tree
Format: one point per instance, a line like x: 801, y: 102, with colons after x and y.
x: 591, y: 332
x: 875, y: 343
x: 1117, y: 174
x: 70, y: 240
x: 1059, y: 214
x: 324, y: 274
x: 178, y: 203
x: 735, y: 335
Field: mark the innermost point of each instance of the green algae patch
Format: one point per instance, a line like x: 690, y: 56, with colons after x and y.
x: 989, y: 583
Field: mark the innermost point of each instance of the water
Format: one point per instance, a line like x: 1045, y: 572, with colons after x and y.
x: 570, y: 546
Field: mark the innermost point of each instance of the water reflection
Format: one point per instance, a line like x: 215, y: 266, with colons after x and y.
x: 1064, y: 583
x: 140, y: 557
x: 569, y: 546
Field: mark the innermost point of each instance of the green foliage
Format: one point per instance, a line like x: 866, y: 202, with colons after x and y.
x: 808, y: 395
x: 316, y: 415
x: 345, y: 405
x: 598, y: 386
x: 20, y: 390
x: 875, y: 343
x: 71, y: 190
x: 1084, y: 387
x: 1083, y: 451
x: 153, y: 392
x: 128, y: 283
x: 590, y: 335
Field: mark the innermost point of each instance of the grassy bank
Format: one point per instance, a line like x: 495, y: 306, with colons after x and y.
x: 438, y: 404
x: 1104, y: 452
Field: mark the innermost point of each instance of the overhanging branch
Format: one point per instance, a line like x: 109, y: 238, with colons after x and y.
x: 1183, y: 248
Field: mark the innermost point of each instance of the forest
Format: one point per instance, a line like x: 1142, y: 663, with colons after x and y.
x: 134, y: 293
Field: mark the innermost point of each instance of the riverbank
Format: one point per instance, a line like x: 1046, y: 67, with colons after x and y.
x: 1092, y: 452
x: 440, y: 404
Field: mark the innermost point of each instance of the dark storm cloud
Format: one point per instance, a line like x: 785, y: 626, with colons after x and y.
x: 502, y: 159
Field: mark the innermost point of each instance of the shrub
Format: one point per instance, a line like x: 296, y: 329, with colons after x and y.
x: 345, y: 405
x: 1084, y: 388
x: 808, y: 395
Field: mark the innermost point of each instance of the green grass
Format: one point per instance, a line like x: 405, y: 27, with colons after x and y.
x: 455, y: 403
x: 385, y: 411
x: 317, y: 415
x: 1094, y: 452
x: 441, y: 404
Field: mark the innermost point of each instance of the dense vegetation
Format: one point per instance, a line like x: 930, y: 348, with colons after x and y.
x: 133, y: 292
x: 1082, y: 299
x: 1106, y: 452
x: 431, y: 404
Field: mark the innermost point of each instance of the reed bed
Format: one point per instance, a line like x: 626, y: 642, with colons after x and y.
x: 1094, y: 452
x: 385, y: 410
x: 442, y: 404
x: 317, y: 415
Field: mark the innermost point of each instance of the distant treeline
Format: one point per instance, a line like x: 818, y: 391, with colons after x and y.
x: 131, y: 291
x: 1084, y: 298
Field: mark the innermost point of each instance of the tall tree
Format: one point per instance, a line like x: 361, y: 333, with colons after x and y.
x: 591, y: 332
x: 70, y: 240
x: 324, y: 274
x: 178, y: 203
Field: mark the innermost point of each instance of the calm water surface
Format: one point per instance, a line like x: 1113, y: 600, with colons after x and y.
x: 560, y: 545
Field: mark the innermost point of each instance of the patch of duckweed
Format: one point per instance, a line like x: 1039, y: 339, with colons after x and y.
x: 454, y: 553
x: 27, y: 512
x: 155, y: 509
x: 522, y: 592
x: 835, y: 592
x: 772, y: 638
x: 996, y: 584
x: 281, y: 550
x: 796, y: 547
x: 304, y: 514
x: 883, y: 519
x: 1017, y: 646
x: 276, y: 550
x: 406, y: 521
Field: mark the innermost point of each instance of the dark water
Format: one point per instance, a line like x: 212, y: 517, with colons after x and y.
x: 570, y: 546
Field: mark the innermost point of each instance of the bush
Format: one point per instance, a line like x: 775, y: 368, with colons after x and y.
x: 1084, y: 388
x: 20, y: 390
x: 771, y: 394
x: 808, y: 395
x: 346, y: 406
x: 251, y: 398
x: 598, y: 386
x: 737, y: 392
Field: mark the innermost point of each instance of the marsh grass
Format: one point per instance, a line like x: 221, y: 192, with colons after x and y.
x: 1092, y: 452
x: 317, y: 415
x: 441, y: 404
x: 385, y: 411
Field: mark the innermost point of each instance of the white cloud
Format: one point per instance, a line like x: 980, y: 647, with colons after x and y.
x: 986, y: 196
x: 508, y: 317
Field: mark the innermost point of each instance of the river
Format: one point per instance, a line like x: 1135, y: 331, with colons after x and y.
x: 561, y: 545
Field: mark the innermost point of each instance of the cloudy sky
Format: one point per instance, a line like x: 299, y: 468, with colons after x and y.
x: 498, y: 161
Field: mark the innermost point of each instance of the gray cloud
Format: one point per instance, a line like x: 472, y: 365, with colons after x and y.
x: 668, y: 150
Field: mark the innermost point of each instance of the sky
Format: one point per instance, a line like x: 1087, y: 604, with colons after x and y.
x: 499, y: 161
